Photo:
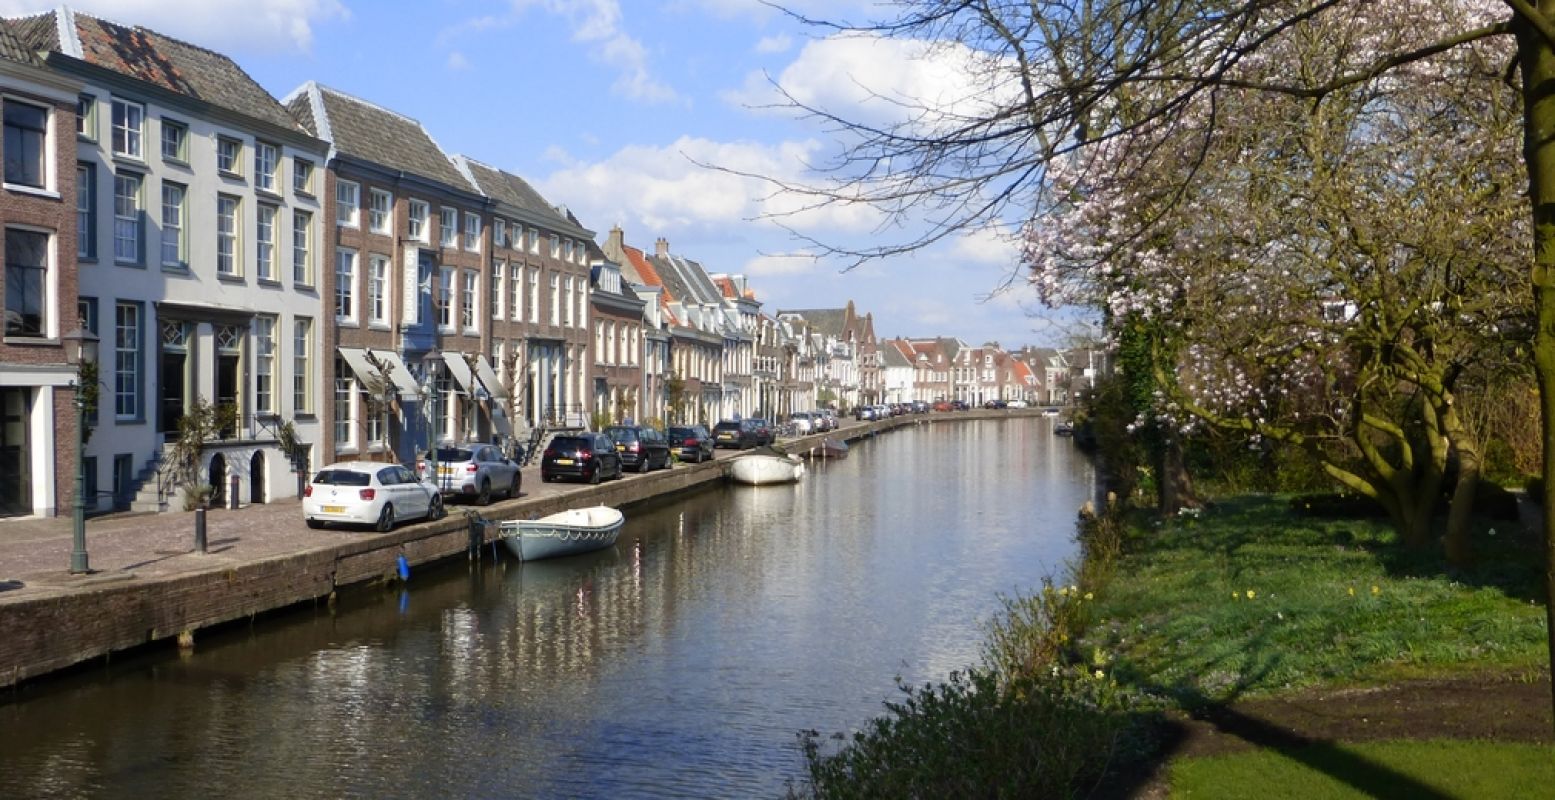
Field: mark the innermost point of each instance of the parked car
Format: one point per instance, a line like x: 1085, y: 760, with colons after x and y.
x: 738, y: 434
x: 691, y: 442
x: 995, y: 404
x: 942, y: 405
x: 1017, y: 404
x: 804, y: 422
x: 589, y: 457
x: 765, y: 435
x: 830, y: 417
x: 865, y: 413
x: 920, y: 406
x: 959, y: 405
x: 368, y: 493
x: 640, y: 448
x: 472, y: 471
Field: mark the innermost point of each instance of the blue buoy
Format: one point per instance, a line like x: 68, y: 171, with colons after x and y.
x: 404, y: 568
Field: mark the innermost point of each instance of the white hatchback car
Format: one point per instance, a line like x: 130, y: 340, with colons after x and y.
x: 368, y: 493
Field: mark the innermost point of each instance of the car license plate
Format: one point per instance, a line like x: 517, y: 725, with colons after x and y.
x: 620, y: 448
x: 726, y: 436
x: 334, y: 509
x: 564, y: 462
x: 445, y: 470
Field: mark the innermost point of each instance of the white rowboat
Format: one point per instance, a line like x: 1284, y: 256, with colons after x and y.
x: 567, y: 533
x: 761, y: 470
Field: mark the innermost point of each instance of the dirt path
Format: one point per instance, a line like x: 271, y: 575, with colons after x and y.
x: 1500, y: 706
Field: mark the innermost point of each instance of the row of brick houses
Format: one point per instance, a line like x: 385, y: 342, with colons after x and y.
x: 322, y: 271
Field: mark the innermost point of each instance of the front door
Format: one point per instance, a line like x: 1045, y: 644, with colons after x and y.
x: 173, y: 378
x: 15, y: 460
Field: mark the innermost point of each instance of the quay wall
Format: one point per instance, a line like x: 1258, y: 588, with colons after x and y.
x: 113, y: 613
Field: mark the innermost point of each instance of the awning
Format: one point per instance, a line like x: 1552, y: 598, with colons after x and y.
x: 409, y: 389
x: 460, y: 371
x: 366, y: 374
x: 389, y: 368
x: 489, y: 378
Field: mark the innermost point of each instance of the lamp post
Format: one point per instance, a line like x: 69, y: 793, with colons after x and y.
x: 81, y: 353
x: 432, y: 368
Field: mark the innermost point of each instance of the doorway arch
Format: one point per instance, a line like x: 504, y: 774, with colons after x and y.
x: 217, y: 479
x: 256, y: 477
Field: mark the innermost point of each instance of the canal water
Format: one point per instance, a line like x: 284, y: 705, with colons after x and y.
x: 682, y: 663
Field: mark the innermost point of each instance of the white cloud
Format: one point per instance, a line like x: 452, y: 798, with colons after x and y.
x: 871, y: 79
x: 775, y: 44
x: 986, y: 246
x: 457, y: 61
x: 665, y: 190
x: 266, y: 25
x: 598, y: 23
x: 766, y: 266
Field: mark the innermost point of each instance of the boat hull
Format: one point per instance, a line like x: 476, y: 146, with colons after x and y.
x: 762, y: 470
x: 568, y: 533
x: 829, y: 449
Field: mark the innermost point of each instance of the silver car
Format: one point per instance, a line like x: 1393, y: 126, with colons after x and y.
x: 474, y: 470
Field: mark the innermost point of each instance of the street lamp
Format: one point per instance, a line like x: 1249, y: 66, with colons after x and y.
x: 81, y: 353
x: 432, y: 368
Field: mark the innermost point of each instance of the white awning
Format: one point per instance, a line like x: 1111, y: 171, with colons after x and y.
x: 460, y: 371
x: 363, y: 370
x: 489, y: 378
x: 409, y: 389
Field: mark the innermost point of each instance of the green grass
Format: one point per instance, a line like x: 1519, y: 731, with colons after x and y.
x: 1250, y: 598
x: 1481, y: 770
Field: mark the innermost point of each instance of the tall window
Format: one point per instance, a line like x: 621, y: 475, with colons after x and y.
x: 378, y: 213
x: 302, y: 250
x: 302, y: 176
x: 556, y: 299
x: 583, y: 304
x: 534, y: 241
x: 86, y: 211
x: 229, y: 155
x: 227, y: 221
x: 450, y: 227
x: 26, y: 282
x: 348, y: 204
x: 534, y: 295
x: 264, y: 243
x: 126, y: 357
x: 418, y: 211
x: 472, y: 232
x: 126, y: 218
x: 86, y: 117
x: 267, y: 160
x: 499, y: 234
x: 467, y: 299
x: 26, y: 144
x: 175, y: 140
x: 567, y: 250
x: 556, y: 246
x: 497, y: 294
x: 128, y: 121
x: 567, y: 302
x: 344, y: 430
x: 516, y: 292
x: 174, y: 219
x: 378, y: 289
x: 445, y: 298
x: 302, y: 380
x: 599, y: 342
x: 264, y: 364
x: 345, y: 285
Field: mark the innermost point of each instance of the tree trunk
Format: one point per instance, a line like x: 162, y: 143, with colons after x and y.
x: 1459, y: 547
x: 1536, y: 62
x: 1174, y: 486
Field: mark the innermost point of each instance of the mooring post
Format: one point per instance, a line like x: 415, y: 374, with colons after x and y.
x: 232, y: 495
x: 199, y: 529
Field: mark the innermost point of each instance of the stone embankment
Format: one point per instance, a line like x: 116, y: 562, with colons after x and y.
x: 149, y: 586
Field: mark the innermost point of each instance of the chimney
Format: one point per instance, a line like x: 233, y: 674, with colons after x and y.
x: 615, y: 246
x: 661, y: 248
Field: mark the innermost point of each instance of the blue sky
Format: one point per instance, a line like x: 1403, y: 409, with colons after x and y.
x: 606, y: 105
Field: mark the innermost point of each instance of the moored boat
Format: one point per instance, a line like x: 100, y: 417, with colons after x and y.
x: 762, y: 470
x: 566, y: 533
x: 829, y: 448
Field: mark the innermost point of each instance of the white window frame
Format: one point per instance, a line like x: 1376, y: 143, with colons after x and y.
x: 229, y: 231
x: 448, y: 226
x: 556, y: 246
x: 378, y: 290
x: 264, y: 364
x: 234, y: 165
x: 302, y: 251
x: 302, y: 355
x: 469, y: 302
x: 472, y: 232
x: 418, y: 213
x: 445, y: 299
x: 267, y: 167
x: 266, y: 258
x: 128, y: 361
x: 348, y: 204
x: 498, y: 291
x: 516, y: 292
x: 302, y: 176
x: 556, y: 299
x: 534, y: 241
x: 380, y: 220
x: 345, y: 286
x: 499, y: 233
x: 128, y: 140
x: 131, y: 221
x: 177, y: 226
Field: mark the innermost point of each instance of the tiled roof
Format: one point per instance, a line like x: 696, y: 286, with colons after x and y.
x: 372, y: 133
x: 161, y: 61
x: 830, y: 321
x: 896, y: 353
x: 638, y: 267
x: 513, y: 190
x: 13, y: 49
x: 687, y: 279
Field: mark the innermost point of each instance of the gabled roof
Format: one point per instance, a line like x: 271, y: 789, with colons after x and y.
x: 152, y: 58
x: 897, y: 353
x: 13, y: 49
x: 830, y: 321
x: 508, y: 188
x: 687, y: 279
x: 373, y: 133
x: 639, y: 270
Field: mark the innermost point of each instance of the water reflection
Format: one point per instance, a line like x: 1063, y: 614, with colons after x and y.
x: 679, y: 663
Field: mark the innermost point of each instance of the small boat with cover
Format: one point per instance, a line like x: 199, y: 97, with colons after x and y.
x: 566, y: 533
x: 761, y: 469
x: 829, y: 448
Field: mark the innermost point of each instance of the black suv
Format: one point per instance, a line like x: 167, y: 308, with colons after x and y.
x: 590, y: 457
x: 739, y: 434
x: 692, y: 442
x: 640, y: 448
